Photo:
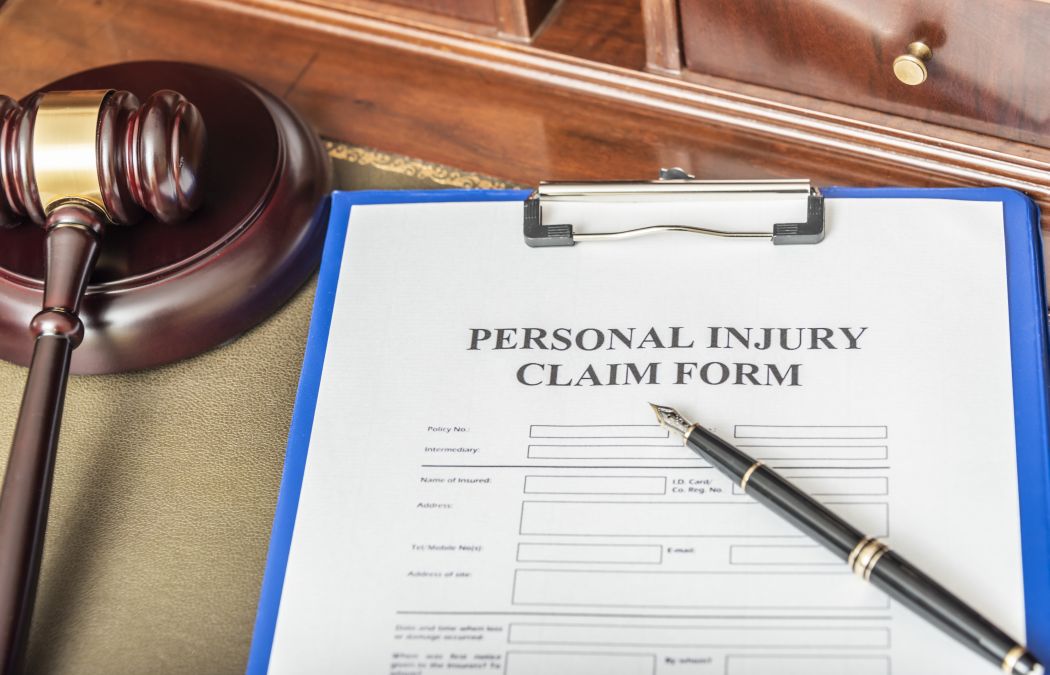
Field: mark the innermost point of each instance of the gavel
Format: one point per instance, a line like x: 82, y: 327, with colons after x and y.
x: 74, y: 163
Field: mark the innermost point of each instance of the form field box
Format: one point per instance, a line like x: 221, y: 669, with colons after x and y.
x: 738, y: 664
x: 837, y: 486
x: 596, y: 485
x: 678, y: 453
x: 634, y: 554
x: 757, y: 554
x: 695, y: 590
x: 611, y: 451
x: 765, y: 635
x: 808, y: 432
x: 682, y: 519
x: 579, y: 663
x: 597, y: 431
x: 830, y: 452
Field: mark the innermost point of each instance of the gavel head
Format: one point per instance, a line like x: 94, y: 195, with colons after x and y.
x: 101, y: 150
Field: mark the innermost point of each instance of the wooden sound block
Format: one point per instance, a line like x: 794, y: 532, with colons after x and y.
x: 160, y: 292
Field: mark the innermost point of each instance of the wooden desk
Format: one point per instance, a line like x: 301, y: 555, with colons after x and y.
x: 575, y: 103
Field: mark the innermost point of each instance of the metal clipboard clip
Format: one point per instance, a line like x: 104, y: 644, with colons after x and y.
x: 672, y: 182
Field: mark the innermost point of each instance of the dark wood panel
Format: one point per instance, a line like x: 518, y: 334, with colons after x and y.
x: 536, y: 12
x: 503, y: 109
x: 606, y: 31
x: 479, y: 11
x: 987, y: 72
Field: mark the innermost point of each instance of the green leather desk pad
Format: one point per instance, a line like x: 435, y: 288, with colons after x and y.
x: 166, y: 482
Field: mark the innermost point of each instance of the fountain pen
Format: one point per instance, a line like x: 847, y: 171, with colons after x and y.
x: 869, y: 558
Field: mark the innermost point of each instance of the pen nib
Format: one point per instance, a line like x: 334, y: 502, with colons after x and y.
x: 669, y: 418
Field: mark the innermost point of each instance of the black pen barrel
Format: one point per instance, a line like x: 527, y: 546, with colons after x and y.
x: 772, y: 490
x: 903, y: 582
x: 868, y: 557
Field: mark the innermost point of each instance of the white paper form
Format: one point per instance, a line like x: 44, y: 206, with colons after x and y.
x: 486, y: 489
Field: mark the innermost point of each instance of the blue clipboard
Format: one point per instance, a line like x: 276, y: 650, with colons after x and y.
x: 1030, y: 357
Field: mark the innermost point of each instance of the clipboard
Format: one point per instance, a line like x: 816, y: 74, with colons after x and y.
x: 1029, y: 362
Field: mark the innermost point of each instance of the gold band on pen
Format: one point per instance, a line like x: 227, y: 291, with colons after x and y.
x: 1012, y: 657
x: 865, y: 555
x: 852, y: 557
x: 747, y: 475
x: 871, y: 563
x: 687, y: 433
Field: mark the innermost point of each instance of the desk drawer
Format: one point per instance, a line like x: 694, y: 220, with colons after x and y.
x: 987, y: 71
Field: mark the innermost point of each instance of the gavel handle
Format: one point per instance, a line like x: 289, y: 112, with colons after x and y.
x: 73, y: 239
x: 27, y: 492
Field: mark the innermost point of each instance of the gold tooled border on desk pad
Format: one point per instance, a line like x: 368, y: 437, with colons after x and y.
x: 408, y: 167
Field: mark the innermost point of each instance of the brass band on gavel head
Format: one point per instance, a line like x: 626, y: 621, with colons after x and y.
x: 65, y: 156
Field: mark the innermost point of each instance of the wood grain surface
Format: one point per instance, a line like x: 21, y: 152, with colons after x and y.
x: 520, y: 112
x: 986, y: 73
x: 663, y: 40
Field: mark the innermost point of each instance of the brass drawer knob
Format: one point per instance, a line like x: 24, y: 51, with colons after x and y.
x: 910, y: 68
